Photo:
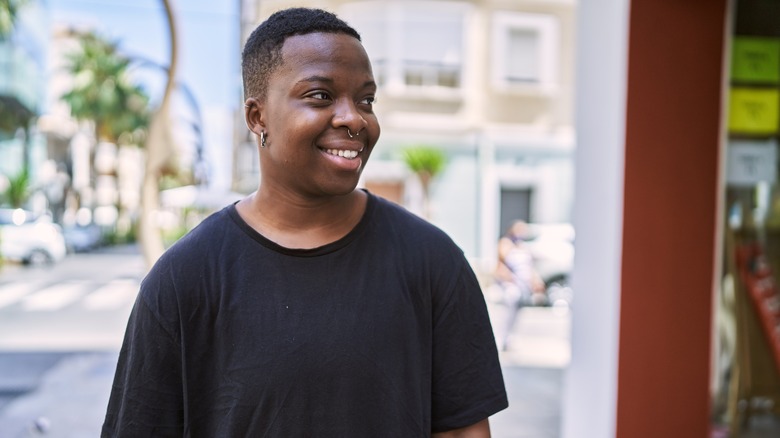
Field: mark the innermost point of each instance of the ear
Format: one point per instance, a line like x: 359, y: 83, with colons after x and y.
x: 253, y: 115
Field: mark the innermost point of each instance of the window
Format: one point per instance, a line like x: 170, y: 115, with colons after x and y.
x: 412, y: 45
x: 525, y: 51
x: 520, y: 67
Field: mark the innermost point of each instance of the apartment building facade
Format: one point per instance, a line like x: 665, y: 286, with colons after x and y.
x: 489, y: 83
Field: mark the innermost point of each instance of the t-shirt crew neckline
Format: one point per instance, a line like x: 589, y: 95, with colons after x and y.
x: 306, y: 252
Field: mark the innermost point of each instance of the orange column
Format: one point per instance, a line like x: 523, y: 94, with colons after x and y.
x: 675, y: 67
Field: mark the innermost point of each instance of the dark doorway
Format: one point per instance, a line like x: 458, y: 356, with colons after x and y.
x: 515, y: 204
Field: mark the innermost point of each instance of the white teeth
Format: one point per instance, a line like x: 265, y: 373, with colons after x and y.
x: 342, y: 153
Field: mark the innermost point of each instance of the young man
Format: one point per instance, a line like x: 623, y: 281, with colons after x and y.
x: 309, y: 308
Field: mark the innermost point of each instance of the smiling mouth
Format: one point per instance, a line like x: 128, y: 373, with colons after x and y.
x: 348, y: 154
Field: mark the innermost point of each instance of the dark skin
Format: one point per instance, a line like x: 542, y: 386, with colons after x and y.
x: 320, y: 128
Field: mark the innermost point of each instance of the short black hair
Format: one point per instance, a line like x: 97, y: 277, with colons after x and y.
x: 263, y: 49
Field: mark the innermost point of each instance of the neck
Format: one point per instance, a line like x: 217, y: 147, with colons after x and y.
x: 296, y: 222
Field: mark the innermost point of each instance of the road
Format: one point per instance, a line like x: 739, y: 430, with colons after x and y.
x: 81, y: 303
x: 61, y: 328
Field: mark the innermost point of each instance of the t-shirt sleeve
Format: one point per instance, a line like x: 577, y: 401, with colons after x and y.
x: 468, y: 385
x: 147, y: 395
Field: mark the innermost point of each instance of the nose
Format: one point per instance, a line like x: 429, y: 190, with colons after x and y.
x: 348, y: 116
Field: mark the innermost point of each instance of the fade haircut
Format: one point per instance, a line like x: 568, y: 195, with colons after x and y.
x: 262, y: 52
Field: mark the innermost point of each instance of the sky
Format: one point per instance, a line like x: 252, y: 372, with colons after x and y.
x: 208, y: 59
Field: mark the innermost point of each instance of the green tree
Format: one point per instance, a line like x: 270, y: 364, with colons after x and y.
x: 426, y: 162
x: 103, y: 94
x: 102, y: 91
x: 18, y: 189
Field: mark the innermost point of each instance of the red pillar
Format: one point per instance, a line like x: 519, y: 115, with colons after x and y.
x: 675, y: 82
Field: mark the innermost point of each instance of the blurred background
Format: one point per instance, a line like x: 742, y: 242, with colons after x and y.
x: 121, y: 128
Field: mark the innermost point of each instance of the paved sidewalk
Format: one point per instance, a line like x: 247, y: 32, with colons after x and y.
x: 534, y: 362
x: 69, y: 402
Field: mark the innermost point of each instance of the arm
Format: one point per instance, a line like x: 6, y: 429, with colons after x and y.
x: 502, y: 272
x: 147, y: 394
x: 478, y: 430
x: 467, y: 382
x: 504, y: 246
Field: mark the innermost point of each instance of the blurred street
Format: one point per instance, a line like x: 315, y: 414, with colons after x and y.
x: 61, y: 328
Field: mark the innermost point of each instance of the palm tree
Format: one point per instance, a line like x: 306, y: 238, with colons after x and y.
x: 102, y: 91
x: 101, y: 87
x: 426, y: 162
x: 104, y: 94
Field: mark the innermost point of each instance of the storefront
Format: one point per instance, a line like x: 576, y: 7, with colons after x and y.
x: 677, y: 212
x: 746, y: 370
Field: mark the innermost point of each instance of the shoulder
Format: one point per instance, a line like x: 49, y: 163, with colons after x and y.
x: 216, y: 230
x: 191, y: 257
x: 180, y: 279
x: 403, y: 224
x: 414, y: 240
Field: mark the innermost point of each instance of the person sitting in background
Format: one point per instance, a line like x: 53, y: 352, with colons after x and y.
x: 516, y: 274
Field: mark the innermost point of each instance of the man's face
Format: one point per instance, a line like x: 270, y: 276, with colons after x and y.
x: 323, y: 87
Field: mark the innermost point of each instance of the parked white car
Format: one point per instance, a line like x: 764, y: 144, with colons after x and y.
x: 552, y: 246
x: 29, y: 238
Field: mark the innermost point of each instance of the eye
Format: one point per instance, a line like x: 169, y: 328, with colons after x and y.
x: 368, y: 101
x: 319, y: 95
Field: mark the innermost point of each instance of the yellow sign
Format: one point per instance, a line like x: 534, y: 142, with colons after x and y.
x: 754, y: 111
x: 755, y: 60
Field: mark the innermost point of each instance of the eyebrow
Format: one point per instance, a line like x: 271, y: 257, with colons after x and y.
x: 316, y: 78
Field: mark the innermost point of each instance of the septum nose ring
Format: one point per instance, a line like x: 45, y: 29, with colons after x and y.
x: 356, y: 134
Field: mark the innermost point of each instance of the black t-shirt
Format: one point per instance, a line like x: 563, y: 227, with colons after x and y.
x: 383, y: 333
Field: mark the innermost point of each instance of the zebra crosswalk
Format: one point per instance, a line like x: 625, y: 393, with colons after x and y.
x: 112, y: 295
x: 42, y: 296
x: 11, y: 293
